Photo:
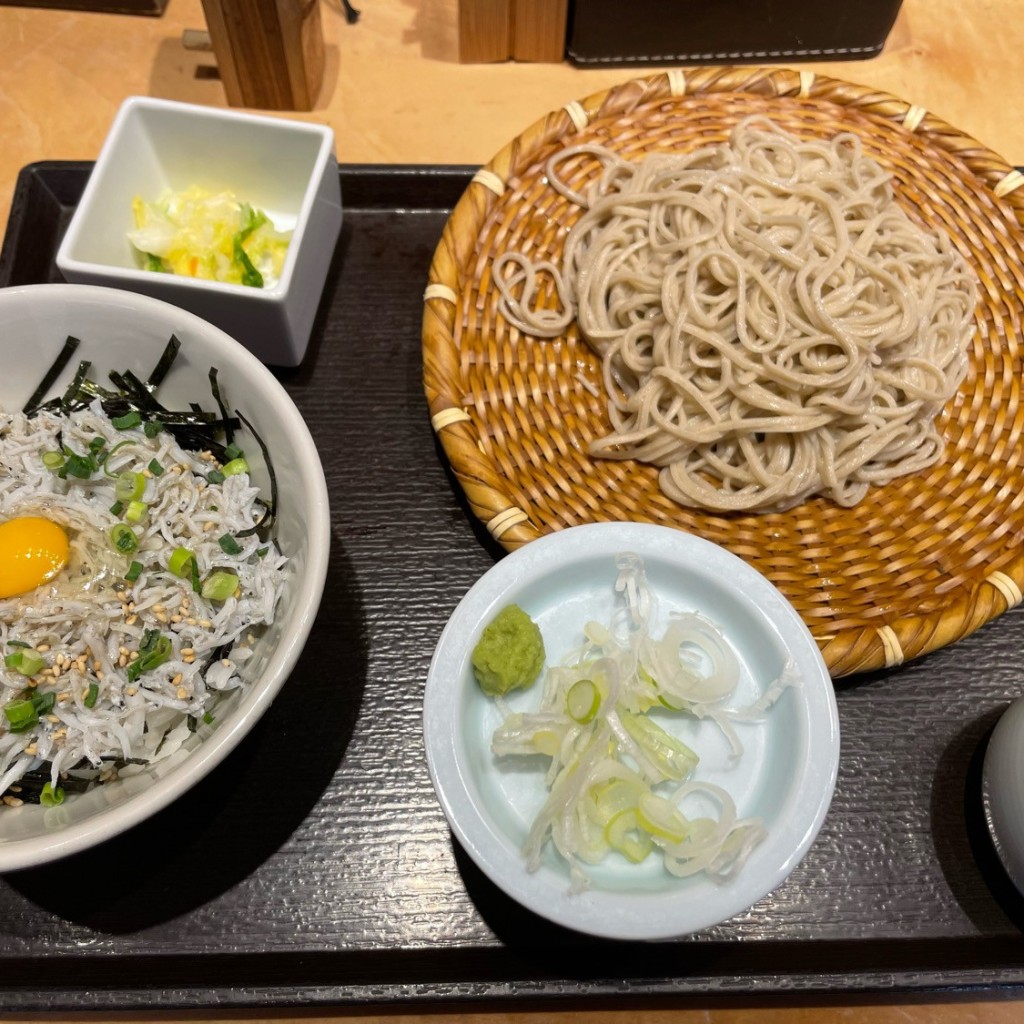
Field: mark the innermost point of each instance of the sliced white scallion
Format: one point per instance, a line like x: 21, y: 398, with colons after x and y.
x: 618, y: 781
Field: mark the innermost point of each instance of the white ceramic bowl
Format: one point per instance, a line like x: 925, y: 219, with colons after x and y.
x: 1003, y: 790
x: 786, y: 775
x: 121, y: 330
x: 286, y: 168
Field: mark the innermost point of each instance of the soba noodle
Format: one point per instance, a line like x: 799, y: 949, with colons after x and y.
x: 772, y: 324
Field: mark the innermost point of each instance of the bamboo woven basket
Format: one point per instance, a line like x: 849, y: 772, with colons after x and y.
x: 919, y: 563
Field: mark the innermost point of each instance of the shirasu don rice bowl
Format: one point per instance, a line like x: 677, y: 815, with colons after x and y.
x: 125, y: 650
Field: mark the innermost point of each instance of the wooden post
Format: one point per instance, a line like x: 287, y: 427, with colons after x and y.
x: 270, y: 53
x: 539, y: 31
x: 485, y: 31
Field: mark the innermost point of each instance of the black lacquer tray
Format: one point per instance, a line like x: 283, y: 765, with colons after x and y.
x: 314, y: 867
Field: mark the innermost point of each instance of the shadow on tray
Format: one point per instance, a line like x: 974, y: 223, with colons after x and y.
x: 219, y: 832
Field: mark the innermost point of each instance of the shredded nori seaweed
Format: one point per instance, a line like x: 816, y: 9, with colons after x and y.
x: 224, y: 414
x: 64, y: 357
x: 194, y: 429
x: 156, y: 378
x: 270, y: 508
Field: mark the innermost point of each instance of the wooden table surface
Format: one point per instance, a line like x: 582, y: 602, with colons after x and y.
x: 395, y: 92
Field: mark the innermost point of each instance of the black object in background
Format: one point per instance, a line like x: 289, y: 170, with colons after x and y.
x: 734, y: 31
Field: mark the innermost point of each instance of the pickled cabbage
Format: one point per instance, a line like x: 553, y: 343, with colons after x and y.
x: 209, y: 235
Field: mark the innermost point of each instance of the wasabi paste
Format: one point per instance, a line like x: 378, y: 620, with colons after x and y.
x: 509, y: 654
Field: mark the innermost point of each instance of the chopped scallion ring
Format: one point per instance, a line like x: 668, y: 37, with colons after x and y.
x: 156, y: 468
x: 235, y: 466
x: 127, y: 421
x: 80, y: 466
x: 20, y: 714
x: 106, y: 459
x: 26, y: 662
x: 229, y: 545
x: 582, y: 701
x: 136, y: 511
x: 180, y: 562
x: 134, y: 572
x: 123, y: 538
x: 154, y: 650
x: 219, y: 586
x: 624, y: 834
x: 50, y: 797
x: 129, y: 486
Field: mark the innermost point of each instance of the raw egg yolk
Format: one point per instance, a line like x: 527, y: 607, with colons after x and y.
x: 32, y: 551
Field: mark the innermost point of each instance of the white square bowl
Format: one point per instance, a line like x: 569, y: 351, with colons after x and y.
x: 286, y: 168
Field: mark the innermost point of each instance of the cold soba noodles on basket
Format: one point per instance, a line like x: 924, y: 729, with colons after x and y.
x: 772, y: 325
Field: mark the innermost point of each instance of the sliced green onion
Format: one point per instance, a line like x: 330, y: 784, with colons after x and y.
x: 156, y: 468
x: 229, y: 545
x: 117, y: 508
x: 232, y: 451
x: 127, y: 421
x: 53, y: 460
x: 661, y: 818
x: 136, y: 511
x: 546, y: 741
x: 670, y: 755
x: 43, y: 702
x: 219, y: 586
x: 582, y: 701
x: 215, y: 476
x: 20, y: 714
x: 89, y: 700
x: 260, y: 552
x: 180, y: 562
x: 235, y: 466
x: 134, y: 572
x: 80, y: 466
x: 623, y: 833
x: 208, y: 718
x: 17, y: 643
x: 606, y: 800
x: 154, y: 650
x: 123, y: 538
x: 196, y: 586
x: 106, y: 458
x: 152, y: 428
x: 26, y: 663
x: 129, y: 486
x: 96, y: 444
x: 50, y: 797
